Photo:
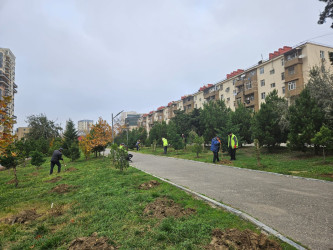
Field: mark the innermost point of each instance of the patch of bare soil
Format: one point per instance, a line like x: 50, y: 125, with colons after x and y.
x: 61, y: 189
x: 23, y: 217
x: 149, y: 185
x: 71, y: 169
x: 56, y: 179
x: 92, y: 242
x: 330, y: 175
x: 163, y: 207
x: 236, y: 239
x: 34, y: 174
x: 11, y: 181
x: 225, y: 162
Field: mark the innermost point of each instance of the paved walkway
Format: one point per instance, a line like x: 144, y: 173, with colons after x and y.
x: 297, y: 208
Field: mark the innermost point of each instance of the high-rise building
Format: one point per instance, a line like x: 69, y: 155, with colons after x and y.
x: 7, y: 77
x: 84, y: 126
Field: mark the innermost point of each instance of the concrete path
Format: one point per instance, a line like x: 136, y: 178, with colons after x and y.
x: 298, y: 208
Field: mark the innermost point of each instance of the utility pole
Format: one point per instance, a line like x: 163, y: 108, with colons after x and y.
x: 112, y: 118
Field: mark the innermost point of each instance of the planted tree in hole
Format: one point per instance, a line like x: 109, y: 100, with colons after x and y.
x: 121, y: 159
x: 324, y: 138
x: 37, y: 159
x: 8, y: 152
x: 197, y: 147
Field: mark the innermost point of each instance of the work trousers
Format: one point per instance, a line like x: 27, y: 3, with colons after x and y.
x: 165, y: 149
x: 232, y: 154
x: 55, y: 163
x: 216, y: 156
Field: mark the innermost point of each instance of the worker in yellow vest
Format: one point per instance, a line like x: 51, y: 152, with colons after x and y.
x: 165, y: 145
x: 232, y: 145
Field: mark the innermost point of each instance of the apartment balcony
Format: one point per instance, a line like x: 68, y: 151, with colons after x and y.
x: 15, y: 86
x: 293, y: 61
x: 3, y: 83
x: 15, y: 91
x: 239, y: 83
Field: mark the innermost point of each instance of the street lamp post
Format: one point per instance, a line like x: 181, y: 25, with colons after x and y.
x: 112, y: 118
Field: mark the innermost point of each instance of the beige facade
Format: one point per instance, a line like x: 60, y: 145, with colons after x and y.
x: 7, y: 77
x: 22, y: 132
x: 286, y: 71
x: 84, y: 126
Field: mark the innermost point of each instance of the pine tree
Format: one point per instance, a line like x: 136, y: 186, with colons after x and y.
x: 70, y: 144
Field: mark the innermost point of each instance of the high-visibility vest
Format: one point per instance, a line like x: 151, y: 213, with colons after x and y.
x: 232, y: 141
x: 165, y: 142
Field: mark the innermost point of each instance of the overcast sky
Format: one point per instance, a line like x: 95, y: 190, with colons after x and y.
x: 84, y: 59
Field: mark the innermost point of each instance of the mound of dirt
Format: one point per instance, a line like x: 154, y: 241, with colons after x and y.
x: 34, y: 174
x: 23, y: 217
x: 56, y: 179
x: 225, y: 162
x: 11, y: 181
x: 149, y: 185
x: 235, y: 239
x: 92, y: 242
x: 71, y: 169
x: 163, y: 207
x: 61, y: 189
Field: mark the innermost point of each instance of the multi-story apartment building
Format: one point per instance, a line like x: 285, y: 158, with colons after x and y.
x: 7, y: 77
x: 84, y: 126
x: 286, y: 70
x: 22, y: 132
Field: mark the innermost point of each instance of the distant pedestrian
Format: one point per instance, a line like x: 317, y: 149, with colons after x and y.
x: 55, y: 160
x: 232, y: 145
x: 165, y: 145
x: 137, y: 145
x: 215, y: 147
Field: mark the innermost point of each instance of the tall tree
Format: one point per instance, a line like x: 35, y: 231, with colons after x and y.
x: 306, y: 119
x: 267, y: 125
x: 242, y: 117
x: 41, y: 127
x: 100, y: 136
x: 8, y: 155
x: 158, y: 131
x: 70, y: 143
x: 320, y: 85
x: 327, y: 12
x: 213, y: 118
x: 174, y: 138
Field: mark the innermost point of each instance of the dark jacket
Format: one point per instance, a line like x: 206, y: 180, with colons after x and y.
x: 215, y: 145
x: 57, y: 156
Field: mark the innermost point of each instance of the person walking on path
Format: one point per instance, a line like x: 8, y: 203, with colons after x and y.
x: 215, y: 147
x: 165, y: 145
x: 137, y: 145
x: 232, y: 145
x: 55, y: 160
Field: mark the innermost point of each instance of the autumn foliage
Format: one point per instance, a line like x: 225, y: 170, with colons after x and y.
x: 6, y: 126
x: 99, y: 137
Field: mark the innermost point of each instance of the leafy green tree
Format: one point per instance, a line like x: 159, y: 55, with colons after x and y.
x: 173, y: 138
x: 41, y: 127
x: 197, y: 147
x: 158, y: 131
x: 268, y: 124
x: 213, y: 117
x: 327, y: 12
x: 73, y: 151
x: 320, y: 85
x: 223, y: 132
x: 37, y: 158
x: 242, y: 118
x: 306, y: 119
x: 324, y: 138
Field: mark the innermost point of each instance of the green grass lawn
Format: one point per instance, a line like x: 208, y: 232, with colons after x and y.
x: 108, y: 202
x: 281, y: 161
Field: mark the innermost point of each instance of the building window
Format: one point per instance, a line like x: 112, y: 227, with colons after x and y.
x: 292, y: 85
x: 252, y: 73
x: 322, y: 54
x: 283, y: 90
x: 273, y: 85
x: 228, y: 99
x: 291, y: 70
x: 262, y: 71
x: 196, y: 106
x: 282, y: 61
x: 272, y: 71
x: 248, y: 85
x: 233, y: 82
x: 227, y: 89
x: 262, y: 83
x: 263, y: 95
x: 234, y: 92
x: 291, y: 56
x: 282, y: 76
x: 222, y: 97
x: 195, y: 98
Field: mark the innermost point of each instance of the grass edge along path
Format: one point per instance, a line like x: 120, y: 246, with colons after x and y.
x: 282, y: 161
x: 101, y: 199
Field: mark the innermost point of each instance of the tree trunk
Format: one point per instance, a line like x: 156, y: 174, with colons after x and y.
x: 15, y: 177
x: 324, y: 154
